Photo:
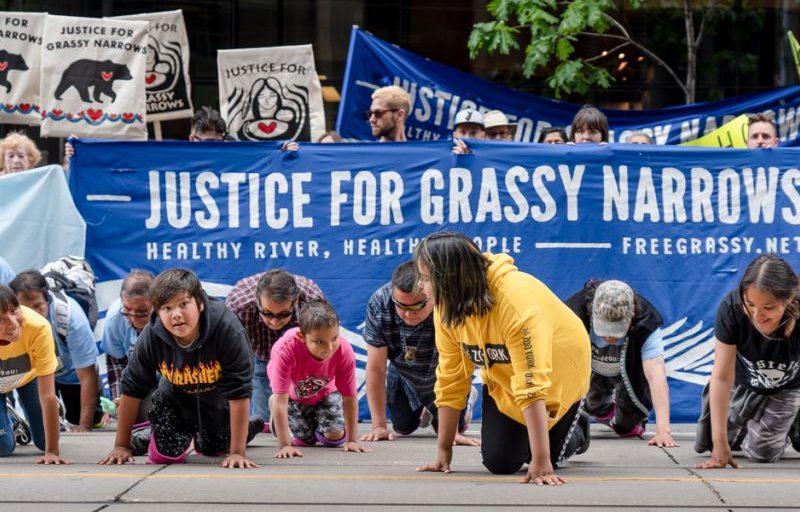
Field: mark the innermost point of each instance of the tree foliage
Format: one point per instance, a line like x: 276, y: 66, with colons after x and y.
x: 553, y: 28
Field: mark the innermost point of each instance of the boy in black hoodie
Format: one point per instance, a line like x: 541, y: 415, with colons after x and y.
x: 202, y: 354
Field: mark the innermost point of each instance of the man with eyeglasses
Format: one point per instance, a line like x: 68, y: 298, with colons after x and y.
x: 399, y: 329
x: 268, y: 305
x: 388, y: 112
x: 125, y: 319
x: 497, y: 127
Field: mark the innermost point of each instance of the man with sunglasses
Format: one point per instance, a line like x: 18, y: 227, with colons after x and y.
x: 388, y: 112
x: 125, y: 319
x: 268, y: 304
x: 399, y: 329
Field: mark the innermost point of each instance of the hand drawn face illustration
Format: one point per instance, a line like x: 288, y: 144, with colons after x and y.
x: 163, y: 65
x: 270, y: 111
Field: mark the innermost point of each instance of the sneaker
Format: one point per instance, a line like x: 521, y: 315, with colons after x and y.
x: 583, y: 424
x: 606, y: 418
x: 140, y: 440
x: 254, y: 427
x: 636, y: 431
x: 301, y: 443
x: 425, y: 418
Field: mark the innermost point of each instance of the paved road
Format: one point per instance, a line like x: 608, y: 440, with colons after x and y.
x: 614, y: 474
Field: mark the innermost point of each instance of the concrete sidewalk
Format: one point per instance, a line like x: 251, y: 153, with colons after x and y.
x: 614, y: 474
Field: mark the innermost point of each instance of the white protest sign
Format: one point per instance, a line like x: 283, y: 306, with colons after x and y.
x: 20, y: 50
x: 167, y: 83
x: 92, y: 81
x: 271, y: 93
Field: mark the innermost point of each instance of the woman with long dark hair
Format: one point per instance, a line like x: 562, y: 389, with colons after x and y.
x: 533, y: 353
x: 753, y: 398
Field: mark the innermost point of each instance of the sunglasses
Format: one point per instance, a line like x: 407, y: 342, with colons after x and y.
x: 277, y: 316
x: 410, y: 307
x: 134, y: 314
x: 378, y: 113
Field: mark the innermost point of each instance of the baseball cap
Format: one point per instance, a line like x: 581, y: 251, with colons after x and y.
x: 612, y: 309
x: 469, y: 116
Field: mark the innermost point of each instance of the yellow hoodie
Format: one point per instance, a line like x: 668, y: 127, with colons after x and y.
x: 530, y: 347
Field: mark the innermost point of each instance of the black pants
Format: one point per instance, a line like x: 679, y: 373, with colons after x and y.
x: 504, y: 442
x: 603, y: 391
x: 71, y: 396
x: 405, y: 420
x: 173, y: 434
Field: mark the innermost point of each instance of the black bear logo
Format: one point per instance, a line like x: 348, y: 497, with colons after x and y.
x: 86, y: 73
x: 9, y: 61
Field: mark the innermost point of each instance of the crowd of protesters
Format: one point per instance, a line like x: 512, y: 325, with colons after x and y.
x: 190, y: 371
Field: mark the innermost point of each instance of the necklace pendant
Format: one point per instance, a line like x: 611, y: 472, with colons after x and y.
x: 410, y: 355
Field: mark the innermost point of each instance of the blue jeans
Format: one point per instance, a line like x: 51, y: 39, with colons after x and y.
x: 259, y: 404
x: 29, y: 398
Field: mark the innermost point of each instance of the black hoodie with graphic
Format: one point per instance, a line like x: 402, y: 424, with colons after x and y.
x: 201, y: 378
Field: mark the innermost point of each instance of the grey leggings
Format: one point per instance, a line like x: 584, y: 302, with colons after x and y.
x: 760, y: 425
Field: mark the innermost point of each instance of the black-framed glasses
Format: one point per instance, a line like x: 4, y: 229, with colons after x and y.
x: 134, y: 314
x: 277, y: 316
x: 410, y: 307
x: 378, y: 113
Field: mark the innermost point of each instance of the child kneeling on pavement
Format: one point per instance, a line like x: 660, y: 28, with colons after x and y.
x: 312, y: 372
x: 201, y: 352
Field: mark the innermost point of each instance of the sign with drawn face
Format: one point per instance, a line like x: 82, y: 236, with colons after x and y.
x: 92, y: 82
x: 271, y: 93
x: 20, y: 48
x: 167, y: 83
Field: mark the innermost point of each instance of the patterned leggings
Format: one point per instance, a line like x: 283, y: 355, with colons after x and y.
x: 324, y: 417
x: 173, y: 435
x: 762, y: 426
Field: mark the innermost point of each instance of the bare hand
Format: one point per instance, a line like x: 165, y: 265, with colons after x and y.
x: 462, y: 440
x: 106, y: 419
x: 542, y: 475
x: 238, y: 461
x: 378, y: 434
x: 352, y: 446
x: 287, y: 452
x: 51, y: 458
x: 290, y: 146
x: 460, y: 147
x: 438, y: 466
x: 718, y: 460
x: 663, y: 440
x: 119, y: 455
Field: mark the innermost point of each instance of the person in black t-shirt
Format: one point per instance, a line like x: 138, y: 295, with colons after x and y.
x: 755, y: 382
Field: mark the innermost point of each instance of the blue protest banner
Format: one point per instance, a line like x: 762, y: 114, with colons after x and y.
x: 679, y: 224
x: 438, y: 92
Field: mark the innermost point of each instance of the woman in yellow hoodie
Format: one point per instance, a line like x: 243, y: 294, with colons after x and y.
x: 533, y: 352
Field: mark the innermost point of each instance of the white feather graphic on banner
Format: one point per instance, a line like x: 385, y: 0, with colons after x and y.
x: 689, y: 352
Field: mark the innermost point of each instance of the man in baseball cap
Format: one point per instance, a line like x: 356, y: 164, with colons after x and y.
x: 629, y: 375
x: 497, y: 127
x: 468, y: 125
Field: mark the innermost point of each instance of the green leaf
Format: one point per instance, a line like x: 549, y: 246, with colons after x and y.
x: 564, y: 49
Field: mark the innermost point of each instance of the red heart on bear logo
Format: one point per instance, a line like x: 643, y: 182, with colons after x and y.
x: 94, y: 113
x: 267, y: 128
x: 3, y: 65
x: 113, y: 117
x: 107, y: 76
x: 150, y: 79
x: 25, y: 107
x: 127, y: 116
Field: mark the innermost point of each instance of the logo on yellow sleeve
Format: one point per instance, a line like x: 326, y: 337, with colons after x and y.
x: 494, y: 353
